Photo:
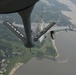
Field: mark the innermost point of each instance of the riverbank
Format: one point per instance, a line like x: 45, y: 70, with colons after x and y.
x: 43, y: 50
x: 70, y: 14
x: 66, y: 46
x: 17, y: 65
x: 53, y: 41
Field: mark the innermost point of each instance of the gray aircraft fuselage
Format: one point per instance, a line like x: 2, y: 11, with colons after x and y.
x: 24, y: 9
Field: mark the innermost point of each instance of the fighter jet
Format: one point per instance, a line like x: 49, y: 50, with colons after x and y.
x: 15, y: 30
x: 24, y: 9
x: 40, y: 31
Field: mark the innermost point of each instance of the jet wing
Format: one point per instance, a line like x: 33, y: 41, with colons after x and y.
x: 33, y: 26
x: 59, y: 28
x: 54, y: 28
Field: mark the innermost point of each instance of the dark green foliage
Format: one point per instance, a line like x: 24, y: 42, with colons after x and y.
x: 40, y: 55
x: 4, y: 45
x: 1, y: 56
x: 10, y: 43
x: 51, y: 51
x: 52, y: 13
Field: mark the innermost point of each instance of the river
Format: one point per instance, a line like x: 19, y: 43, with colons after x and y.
x: 66, y: 46
x: 65, y: 64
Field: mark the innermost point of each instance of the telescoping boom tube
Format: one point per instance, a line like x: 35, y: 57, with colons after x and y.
x: 43, y: 31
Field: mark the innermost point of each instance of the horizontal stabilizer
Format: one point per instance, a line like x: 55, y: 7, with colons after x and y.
x: 15, y: 30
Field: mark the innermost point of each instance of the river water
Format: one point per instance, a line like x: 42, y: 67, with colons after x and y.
x: 65, y: 64
x: 66, y: 46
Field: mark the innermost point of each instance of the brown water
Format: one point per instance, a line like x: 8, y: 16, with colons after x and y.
x: 65, y: 64
x: 66, y: 46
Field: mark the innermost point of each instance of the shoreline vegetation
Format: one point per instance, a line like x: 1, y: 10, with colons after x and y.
x: 12, y: 45
x: 16, y: 53
x: 53, y: 42
x: 47, y: 50
x: 17, y: 65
